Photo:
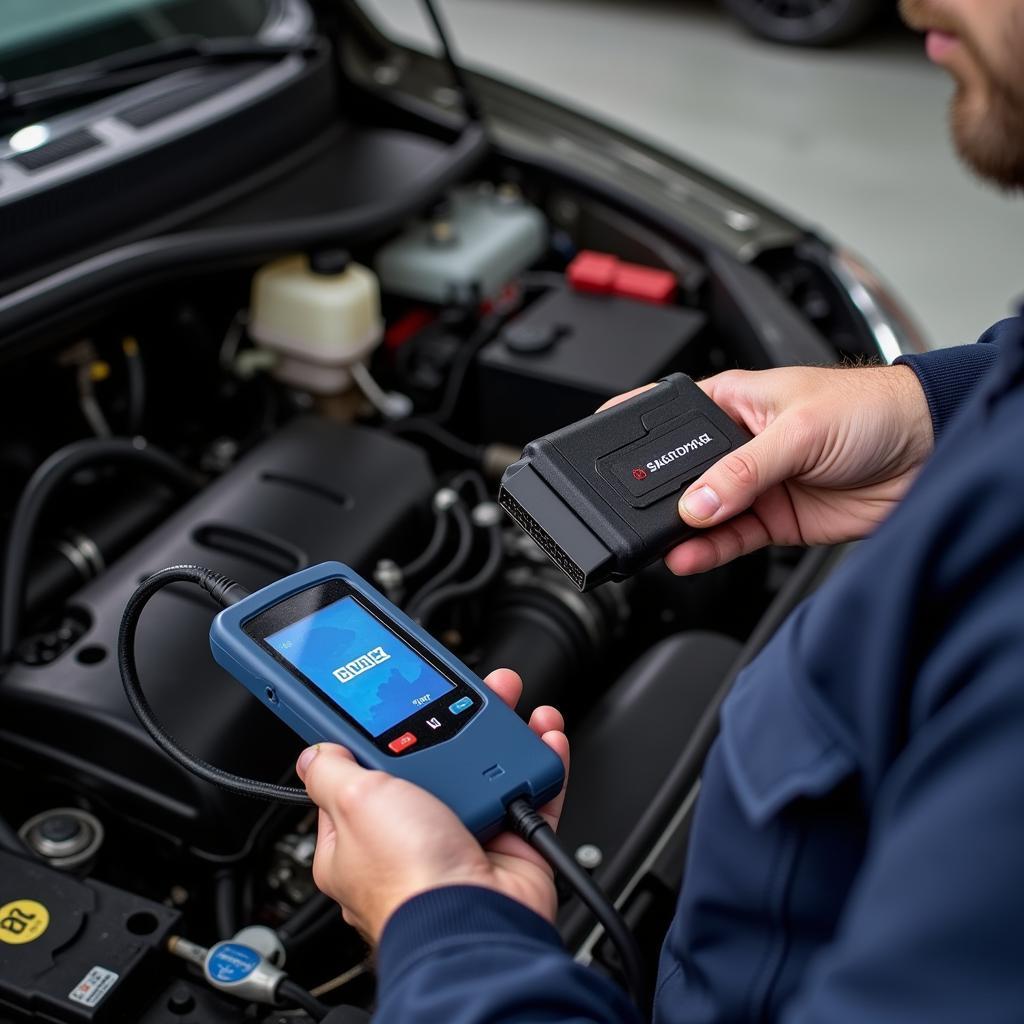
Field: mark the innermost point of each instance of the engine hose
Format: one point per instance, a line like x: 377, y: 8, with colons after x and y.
x: 318, y: 914
x: 225, y: 592
x: 290, y: 992
x: 55, y: 471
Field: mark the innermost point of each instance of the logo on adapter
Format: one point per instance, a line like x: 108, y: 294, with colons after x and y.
x: 639, y: 474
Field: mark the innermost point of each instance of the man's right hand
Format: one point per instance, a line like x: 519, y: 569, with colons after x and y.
x: 834, y: 450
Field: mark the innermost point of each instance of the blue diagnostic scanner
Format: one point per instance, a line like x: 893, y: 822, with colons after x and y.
x: 338, y: 662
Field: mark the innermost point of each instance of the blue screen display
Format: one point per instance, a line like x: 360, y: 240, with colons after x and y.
x: 360, y: 664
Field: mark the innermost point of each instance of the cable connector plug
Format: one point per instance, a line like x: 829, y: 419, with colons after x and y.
x: 524, y: 820
x: 245, y: 967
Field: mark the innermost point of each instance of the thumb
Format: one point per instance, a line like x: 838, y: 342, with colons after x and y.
x: 326, y: 770
x: 733, y: 483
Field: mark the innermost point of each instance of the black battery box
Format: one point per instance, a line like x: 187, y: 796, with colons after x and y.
x: 73, y: 950
x: 568, y: 352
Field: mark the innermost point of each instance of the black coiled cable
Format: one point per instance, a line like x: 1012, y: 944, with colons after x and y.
x: 225, y: 592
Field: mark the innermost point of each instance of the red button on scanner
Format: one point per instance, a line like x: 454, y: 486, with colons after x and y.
x: 403, y: 742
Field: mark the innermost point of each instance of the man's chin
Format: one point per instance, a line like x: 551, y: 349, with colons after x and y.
x: 989, y: 142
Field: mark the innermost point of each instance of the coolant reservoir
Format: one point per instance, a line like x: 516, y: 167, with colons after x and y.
x: 467, y: 251
x: 320, y: 315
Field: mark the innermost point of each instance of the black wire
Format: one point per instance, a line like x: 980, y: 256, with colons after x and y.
x: 55, y: 471
x: 474, y: 479
x: 293, y: 931
x: 454, y: 567
x: 435, y: 545
x: 225, y: 903
x: 482, y: 578
x: 291, y: 992
x: 136, y: 385
x: 469, y: 100
x: 527, y: 823
x: 225, y: 592
x: 473, y: 453
x: 463, y: 362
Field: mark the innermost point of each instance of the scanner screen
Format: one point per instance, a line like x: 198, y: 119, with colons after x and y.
x: 360, y: 664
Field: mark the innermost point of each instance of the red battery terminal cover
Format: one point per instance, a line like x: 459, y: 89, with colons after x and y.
x: 603, y: 274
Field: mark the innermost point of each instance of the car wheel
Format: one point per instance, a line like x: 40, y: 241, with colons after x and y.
x: 804, y: 22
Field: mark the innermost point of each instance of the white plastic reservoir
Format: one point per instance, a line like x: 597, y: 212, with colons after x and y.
x: 319, y: 319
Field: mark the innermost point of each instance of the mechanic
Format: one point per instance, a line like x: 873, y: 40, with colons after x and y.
x: 859, y: 838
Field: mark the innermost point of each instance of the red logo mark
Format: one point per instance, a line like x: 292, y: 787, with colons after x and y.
x: 639, y: 474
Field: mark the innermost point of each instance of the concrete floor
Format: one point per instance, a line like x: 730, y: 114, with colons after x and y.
x: 852, y: 141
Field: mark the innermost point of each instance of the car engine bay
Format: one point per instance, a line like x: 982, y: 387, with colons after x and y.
x: 353, y: 397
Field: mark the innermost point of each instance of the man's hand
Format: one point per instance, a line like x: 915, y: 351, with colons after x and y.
x: 381, y: 840
x: 834, y: 451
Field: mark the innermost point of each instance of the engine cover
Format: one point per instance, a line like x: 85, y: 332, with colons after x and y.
x: 317, y: 490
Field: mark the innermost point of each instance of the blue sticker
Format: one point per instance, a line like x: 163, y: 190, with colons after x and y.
x: 231, y: 962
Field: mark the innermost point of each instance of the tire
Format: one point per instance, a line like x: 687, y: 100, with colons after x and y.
x: 804, y: 22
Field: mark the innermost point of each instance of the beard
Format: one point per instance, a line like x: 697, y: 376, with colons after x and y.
x: 987, y: 111
x: 989, y: 134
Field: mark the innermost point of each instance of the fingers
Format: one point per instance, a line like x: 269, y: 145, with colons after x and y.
x: 733, y: 484
x: 546, y: 719
x: 508, y: 685
x: 548, y: 724
x: 718, y: 545
x: 552, y: 810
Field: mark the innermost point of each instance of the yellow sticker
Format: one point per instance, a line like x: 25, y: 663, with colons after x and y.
x: 22, y: 921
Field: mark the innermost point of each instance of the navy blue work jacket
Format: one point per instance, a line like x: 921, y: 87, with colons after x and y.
x: 858, y: 847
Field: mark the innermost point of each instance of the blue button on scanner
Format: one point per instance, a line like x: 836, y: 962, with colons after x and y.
x: 460, y: 705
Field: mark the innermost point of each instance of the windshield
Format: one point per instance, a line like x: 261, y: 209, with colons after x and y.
x: 39, y: 36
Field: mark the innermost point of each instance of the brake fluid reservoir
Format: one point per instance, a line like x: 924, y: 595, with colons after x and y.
x: 469, y: 250
x: 319, y: 315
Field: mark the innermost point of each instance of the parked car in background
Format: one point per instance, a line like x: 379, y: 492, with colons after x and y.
x: 805, y: 22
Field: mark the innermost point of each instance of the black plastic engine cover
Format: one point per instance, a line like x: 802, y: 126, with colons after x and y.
x: 317, y: 490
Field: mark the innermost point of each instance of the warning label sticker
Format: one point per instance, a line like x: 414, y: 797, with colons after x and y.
x: 93, y: 987
x: 22, y: 921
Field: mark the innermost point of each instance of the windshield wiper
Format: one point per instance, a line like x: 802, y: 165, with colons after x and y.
x: 136, y: 66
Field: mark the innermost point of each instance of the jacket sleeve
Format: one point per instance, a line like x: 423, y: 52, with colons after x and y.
x: 949, y: 376
x: 464, y: 954
x: 933, y: 927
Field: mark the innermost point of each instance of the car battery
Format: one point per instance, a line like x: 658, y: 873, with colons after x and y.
x: 469, y: 250
x: 568, y: 352
x: 74, y: 950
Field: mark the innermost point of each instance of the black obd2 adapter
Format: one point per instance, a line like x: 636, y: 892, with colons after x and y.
x: 600, y: 495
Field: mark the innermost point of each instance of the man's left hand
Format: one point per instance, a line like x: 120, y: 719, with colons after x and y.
x: 382, y: 840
